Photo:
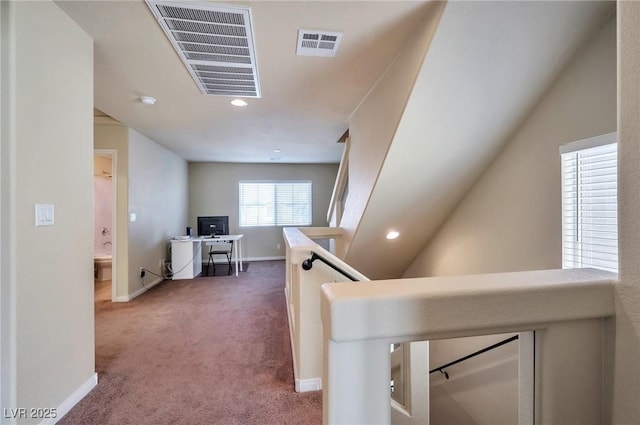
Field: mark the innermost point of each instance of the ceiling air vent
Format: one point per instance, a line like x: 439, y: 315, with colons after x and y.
x: 318, y: 43
x: 214, y: 42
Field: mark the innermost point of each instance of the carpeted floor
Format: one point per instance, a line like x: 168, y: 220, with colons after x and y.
x: 205, y: 351
x: 222, y: 269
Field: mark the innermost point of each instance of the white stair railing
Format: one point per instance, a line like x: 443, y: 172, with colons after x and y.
x: 302, y: 291
x: 565, y: 308
x: 346, y: 353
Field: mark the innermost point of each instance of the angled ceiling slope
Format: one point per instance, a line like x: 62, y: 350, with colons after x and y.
x: 487, y: 66
x: 214, y: 42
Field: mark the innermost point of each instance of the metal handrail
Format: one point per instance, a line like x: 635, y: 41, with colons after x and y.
x: 467, y: 357
x: 308, y: 264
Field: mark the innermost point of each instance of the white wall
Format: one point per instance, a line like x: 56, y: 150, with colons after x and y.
x: 213, y: 190
x: 158, y: 195
x: 511, y: 219
x: 49, y: 140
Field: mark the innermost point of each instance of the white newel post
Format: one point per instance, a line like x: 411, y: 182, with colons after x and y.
x: 353, y: 367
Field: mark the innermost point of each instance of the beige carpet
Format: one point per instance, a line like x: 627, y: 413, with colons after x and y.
x: 205, y: 351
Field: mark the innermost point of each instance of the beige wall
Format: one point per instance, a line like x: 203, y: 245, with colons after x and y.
x: 455, y: 401
x: 511, y: 218
x: 158, y: 197
x: 7, y: 289
x: 116, y: 137
x: 50, y: 93
x: 626, y: 377
x: 152, y: 183
x: 213, y: 190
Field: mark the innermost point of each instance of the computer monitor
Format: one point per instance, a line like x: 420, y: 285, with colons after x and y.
x: 213, y: 225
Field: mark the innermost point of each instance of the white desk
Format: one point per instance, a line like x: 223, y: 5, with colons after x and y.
x: 186, y: 258
x: 186, y: 255
x: 237, y: 246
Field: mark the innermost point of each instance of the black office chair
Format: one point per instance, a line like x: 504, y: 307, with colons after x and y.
x: 219, y: 248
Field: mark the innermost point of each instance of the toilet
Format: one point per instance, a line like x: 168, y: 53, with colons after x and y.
x: 102, y: 267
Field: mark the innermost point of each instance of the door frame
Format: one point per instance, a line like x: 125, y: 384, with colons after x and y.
x: 114, y: 217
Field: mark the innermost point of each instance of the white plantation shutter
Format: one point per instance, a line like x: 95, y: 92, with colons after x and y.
x: 590, y: 204
x: 275, y: 204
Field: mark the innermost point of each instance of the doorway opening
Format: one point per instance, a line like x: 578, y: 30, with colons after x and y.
x: 105, y: 223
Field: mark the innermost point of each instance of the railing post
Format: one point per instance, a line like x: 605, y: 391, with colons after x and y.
x: 356, y: 382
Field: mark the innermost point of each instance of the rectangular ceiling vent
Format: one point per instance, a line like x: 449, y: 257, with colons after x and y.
x: 214, y: 42
x: 318, y: 43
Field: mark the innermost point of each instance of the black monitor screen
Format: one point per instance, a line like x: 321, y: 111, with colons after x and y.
x: 213, y: 225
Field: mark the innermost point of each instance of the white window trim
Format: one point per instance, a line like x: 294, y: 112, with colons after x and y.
x: 592, y: 142
x: 580, y: 145
x: 309, y: 182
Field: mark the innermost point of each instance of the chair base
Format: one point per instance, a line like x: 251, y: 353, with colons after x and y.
x: 213, y: 264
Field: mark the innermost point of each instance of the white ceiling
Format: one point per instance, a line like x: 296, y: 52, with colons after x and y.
x: 306, y: 101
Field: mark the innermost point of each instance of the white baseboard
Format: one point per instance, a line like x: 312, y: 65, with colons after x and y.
x: 304, y: 385
x: 72, y: 400
x: 145, y: 288
x: 282, y: 257
x: 293, y: 348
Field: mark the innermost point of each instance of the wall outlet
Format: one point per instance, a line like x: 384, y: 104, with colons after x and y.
x: 142, y: 272
x: 161, y: 262
x: 277, y: 246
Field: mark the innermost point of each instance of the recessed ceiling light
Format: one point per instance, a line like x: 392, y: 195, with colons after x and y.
x: 277, y: 150
x: 392, y: 234
x: 238, y: 102
x: 148, y: 100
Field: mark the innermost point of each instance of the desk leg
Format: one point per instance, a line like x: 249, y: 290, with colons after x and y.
x: 240, y: 245
x: 236, y: 255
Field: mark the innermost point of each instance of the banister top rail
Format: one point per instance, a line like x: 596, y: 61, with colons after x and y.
x: 442, y: 368
x: 300, y: 244
x: 418, y: 309
x: 308, y: 264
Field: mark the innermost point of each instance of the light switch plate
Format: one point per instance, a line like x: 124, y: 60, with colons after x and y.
x: 132, y: 217
x: 44, y: 215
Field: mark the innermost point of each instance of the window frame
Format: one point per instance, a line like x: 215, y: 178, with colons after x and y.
x: 573, y: 211
x: 275, y: 184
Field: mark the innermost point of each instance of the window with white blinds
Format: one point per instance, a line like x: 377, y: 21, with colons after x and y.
x: 590, y: 203
x: 265, y: 203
